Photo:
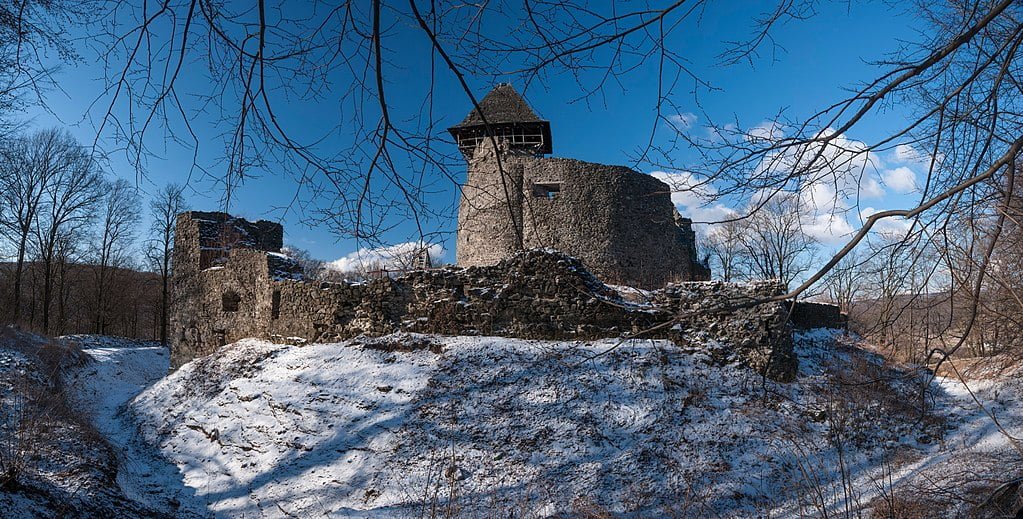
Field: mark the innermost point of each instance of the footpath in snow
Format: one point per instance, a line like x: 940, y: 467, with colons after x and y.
x: 122, y: 369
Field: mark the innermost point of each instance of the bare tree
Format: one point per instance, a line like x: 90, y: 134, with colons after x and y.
x: 902, y: 296
x: 1002, y: 298
x: 982, y: 258
x: 118, y: 215
x: 26, y: 170
x: 959, y: 77
x: 724, y: 246
x: 380, y: 165
x: 164, y: 208
x: 68, y: 253
x: 311, y: 267
x: 845, y: 283
x: 776, y: 247
x: 69, y: 200
x: 49, y: 203
x: 957, y: 73
x: 29, y: 31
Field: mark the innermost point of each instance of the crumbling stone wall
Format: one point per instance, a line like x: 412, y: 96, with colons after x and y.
x: 219, y: 258
x: 620, y: 223
x: 535, y: 294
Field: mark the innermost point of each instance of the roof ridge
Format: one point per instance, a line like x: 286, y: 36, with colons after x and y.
x: 503, y: 104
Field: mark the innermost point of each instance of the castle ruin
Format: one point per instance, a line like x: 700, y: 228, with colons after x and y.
x: 519, y: 209
x: 620, y: 223
x: 232, y: 282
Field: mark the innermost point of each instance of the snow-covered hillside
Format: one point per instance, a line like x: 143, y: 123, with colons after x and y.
x: 53, y: 461
x: 120, y: 370
x: 413, y: 426
x: 534, y: 429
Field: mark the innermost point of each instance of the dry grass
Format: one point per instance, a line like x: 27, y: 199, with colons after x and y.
x: 36, y: 420
x: 584, y: 508
x: 905, y: 507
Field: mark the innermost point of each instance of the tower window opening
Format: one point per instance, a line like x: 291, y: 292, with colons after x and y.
x: 548, y: 190
x: 275, y: 304
x: 516, y: 137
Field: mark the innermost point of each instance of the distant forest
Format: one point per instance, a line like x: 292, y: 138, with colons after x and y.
x: 133, y: 312
x: 75, y: 259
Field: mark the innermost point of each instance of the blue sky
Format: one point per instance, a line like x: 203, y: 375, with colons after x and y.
x: 818, y: 59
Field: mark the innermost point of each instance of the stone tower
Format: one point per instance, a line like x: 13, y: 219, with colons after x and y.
x: 490, y: 225
x: 620, y: 223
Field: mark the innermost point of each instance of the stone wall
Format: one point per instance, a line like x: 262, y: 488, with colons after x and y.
x: 535, y: 294
x: 216, y: 258
x: 620, y: 223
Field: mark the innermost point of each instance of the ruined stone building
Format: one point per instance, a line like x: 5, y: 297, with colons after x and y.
x: 232, y: 282
x: 620, y: 223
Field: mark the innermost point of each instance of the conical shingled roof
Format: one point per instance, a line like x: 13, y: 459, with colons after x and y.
x: 502, y: 105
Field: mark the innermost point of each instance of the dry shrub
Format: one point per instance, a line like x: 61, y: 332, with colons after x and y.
x: 586, y: 508
x: 1005, y: 500
x: 36, y: 418
x: 57, y: 357
x: 14, y: 447
x: 905, y: 507
x: 865, y: 397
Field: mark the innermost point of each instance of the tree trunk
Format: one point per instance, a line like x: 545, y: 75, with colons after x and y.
x: 33, y: 305
x: 62, y: 295
x: 47, y: 293
x: 18, y: 270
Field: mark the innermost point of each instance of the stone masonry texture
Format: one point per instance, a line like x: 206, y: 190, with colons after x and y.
x: 246, y: 288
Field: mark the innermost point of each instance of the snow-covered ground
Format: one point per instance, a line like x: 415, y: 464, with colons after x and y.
x: 122, y: 369
x: 495, y: 427
x: 53, y: 462
x: 965, y: 472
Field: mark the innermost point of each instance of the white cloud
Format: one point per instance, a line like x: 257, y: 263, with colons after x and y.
x: 834, y: 177
x: 684, y: 120
x: 819, y: 217
x: 686, y: 189
x: 911, y: 156
x: 823, y: 214
x: 768, y: 131
x: 869, y: 187
x: 397, y: 256
x: 893, y: 227
x: 693, y: 198
x: 901, y: 179
x: 827, y: 228
x: 844, y: 164
x: 907, y: 153
x: 717, y: 134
